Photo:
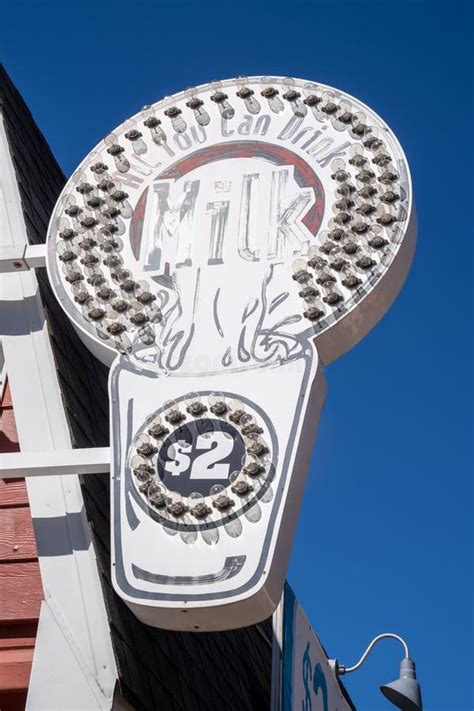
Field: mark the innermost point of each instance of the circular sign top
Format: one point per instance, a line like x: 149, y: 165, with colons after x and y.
x: 227, y: 224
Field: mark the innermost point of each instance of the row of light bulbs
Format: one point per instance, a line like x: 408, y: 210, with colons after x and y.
x: 196, y: 509
x: 323, y: 104
x: 366, y: 207
x: 90, y: 239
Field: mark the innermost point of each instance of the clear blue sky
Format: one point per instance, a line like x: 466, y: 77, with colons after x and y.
x: 385, y: 536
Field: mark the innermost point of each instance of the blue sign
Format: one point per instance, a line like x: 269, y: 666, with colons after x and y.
x: 308, y: 682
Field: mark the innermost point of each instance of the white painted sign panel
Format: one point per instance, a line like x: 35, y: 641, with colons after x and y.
x: 215, y: 250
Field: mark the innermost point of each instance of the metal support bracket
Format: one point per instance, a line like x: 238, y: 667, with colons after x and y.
x: 21, y: 257
x: 95, y: 460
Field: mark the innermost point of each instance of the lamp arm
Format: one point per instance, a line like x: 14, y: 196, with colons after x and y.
x: 340, y: 669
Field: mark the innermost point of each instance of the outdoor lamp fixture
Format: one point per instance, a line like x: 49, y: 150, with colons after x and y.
x: 405, y: 692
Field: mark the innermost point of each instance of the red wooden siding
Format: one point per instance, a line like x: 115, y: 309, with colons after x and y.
x: 20, y: 580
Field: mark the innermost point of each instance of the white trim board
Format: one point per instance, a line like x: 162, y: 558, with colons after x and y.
x: 83, y: 656
x: 95, y: 460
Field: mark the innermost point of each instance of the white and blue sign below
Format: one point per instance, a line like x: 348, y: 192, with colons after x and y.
x: 309, y: 684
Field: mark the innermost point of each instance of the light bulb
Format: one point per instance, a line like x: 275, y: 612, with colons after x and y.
x: 197, y: 506
x: 143, y: 472
x: 385, y: 216
x: 298, y: 107
x: 249, y: 425
x: 143, y: 293
x: 316, y: 261
x: 350, y: 280
x: 252, y: 467
x: 328, y: 103
x: 113, y: 261
x: 236, y: 410
x: 251, y: 103
x: 388, y: 176
x: 359, y: 225
x: 218, y: 405
x: 365, y: 261
x: 194, y: 405
x: 225, y: 108
x: 220, y: 498
x: 343, y: 116
x: 157, y: 428
x: 223, y: 504
x: 154, y: 313
x: 146, y: 335
x: 308, y: 291
x: 372, y: 139
x: 382, y: 158
x: 88, y: 222
x: 123, y: 344
x: 274, y: 102
x: 87, y: 191
x: 315, y: 309
x: 256, y: 445
x: 113, y: 324
x: 359, y: 123
x: 93, y: 310
x: 106, y: 185
x: 81, y: 294
x: 338, y: 261
x: 333, y: 295
x: 145, y: 446
x: 94, y: 274
x: 135, y: 136
x: 156, y: 496
x: 358, y: 156
x: 116, y: 151
x: 137, y: 314
x: 365, y: 205
x: 376, y: 237
x: 118, y: 303
x: 154, y: 124
x: 123, y: 279
x: 327, y: 247
x: 100, y: 171
x: 110, y: 244
x: 243, y: 487
x: 177, y: 121
x: 240, y: 484
x: 338, y: 171
x: 66, y: 231
x: 173, y: 414
x: 349, y: 245
x: 365, y: 176
x: 90, y: 258
x: 66, y: 251
x: 175, y: 504
x: 200, y: 113
x: 72, y: 273
x: 119, y: 198
x: 87, y: 242
x: 389, y: 196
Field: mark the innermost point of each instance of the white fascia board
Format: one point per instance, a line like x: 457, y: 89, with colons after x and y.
x: 69, y: 572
